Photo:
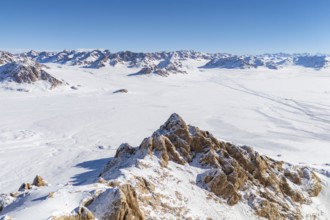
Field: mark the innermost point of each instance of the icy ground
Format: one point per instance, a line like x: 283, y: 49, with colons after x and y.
x: 67, y: 135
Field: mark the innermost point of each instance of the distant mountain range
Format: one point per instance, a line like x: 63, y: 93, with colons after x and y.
x: 159, y: 63
x: 172, y: 60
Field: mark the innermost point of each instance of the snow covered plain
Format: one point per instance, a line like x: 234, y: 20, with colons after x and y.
x: 67, y: 136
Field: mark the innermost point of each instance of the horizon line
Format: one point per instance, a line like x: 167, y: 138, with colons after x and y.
x: 20, y: 50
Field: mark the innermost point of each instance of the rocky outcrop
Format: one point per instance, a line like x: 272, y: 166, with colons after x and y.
x: 81, y: 213
x: 25, y: 187
x: 272, y: 189
x: 39, y: 181
x: 23, y: 190
x: 117, y: 203
x: 121, y: 91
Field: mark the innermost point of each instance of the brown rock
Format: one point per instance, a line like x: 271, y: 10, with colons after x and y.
x: 121, y: 204
x: 82, y: 213
x: 39, y: 181
x: 25, y: 187
x: 14, y: 194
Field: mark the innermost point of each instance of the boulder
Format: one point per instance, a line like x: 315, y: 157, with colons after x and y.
x: 39, y: 181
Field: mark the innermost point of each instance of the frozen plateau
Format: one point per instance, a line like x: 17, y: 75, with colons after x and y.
x: 88, y: 135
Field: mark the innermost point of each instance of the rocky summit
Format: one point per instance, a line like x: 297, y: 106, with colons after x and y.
x: 235, y: 174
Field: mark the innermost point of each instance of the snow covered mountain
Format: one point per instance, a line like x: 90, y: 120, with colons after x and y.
x: 27, y: 71
x: 174, y: 171
x: 164, y: 63
x: 23, y: 70
x: 6, y: 57
x: 270, y: 61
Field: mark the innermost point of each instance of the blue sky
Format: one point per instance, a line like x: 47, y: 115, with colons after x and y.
x: 234, y: 26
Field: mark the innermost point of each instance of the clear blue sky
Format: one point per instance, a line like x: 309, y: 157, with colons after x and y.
x: 234, y: 26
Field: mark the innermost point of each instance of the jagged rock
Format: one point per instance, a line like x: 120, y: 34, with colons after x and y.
x: 219, y: 183
x: 118, y: 203
x: 39, y: 181
x: 121, y: 91
x: 81, y: 213
x: 24, y: 187
x: 273, y: 189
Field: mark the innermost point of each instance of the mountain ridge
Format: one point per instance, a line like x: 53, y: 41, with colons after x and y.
x: 153, y: 62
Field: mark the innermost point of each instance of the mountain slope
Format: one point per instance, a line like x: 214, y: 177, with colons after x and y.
x: 189, y: 158
x: 184, y: 172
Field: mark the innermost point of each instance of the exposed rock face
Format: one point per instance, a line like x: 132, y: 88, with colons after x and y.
x: 24, y: 187
x: 27, y: 71
x: 272, y: 189
x: 117, y: 204
x: 23, y: 190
